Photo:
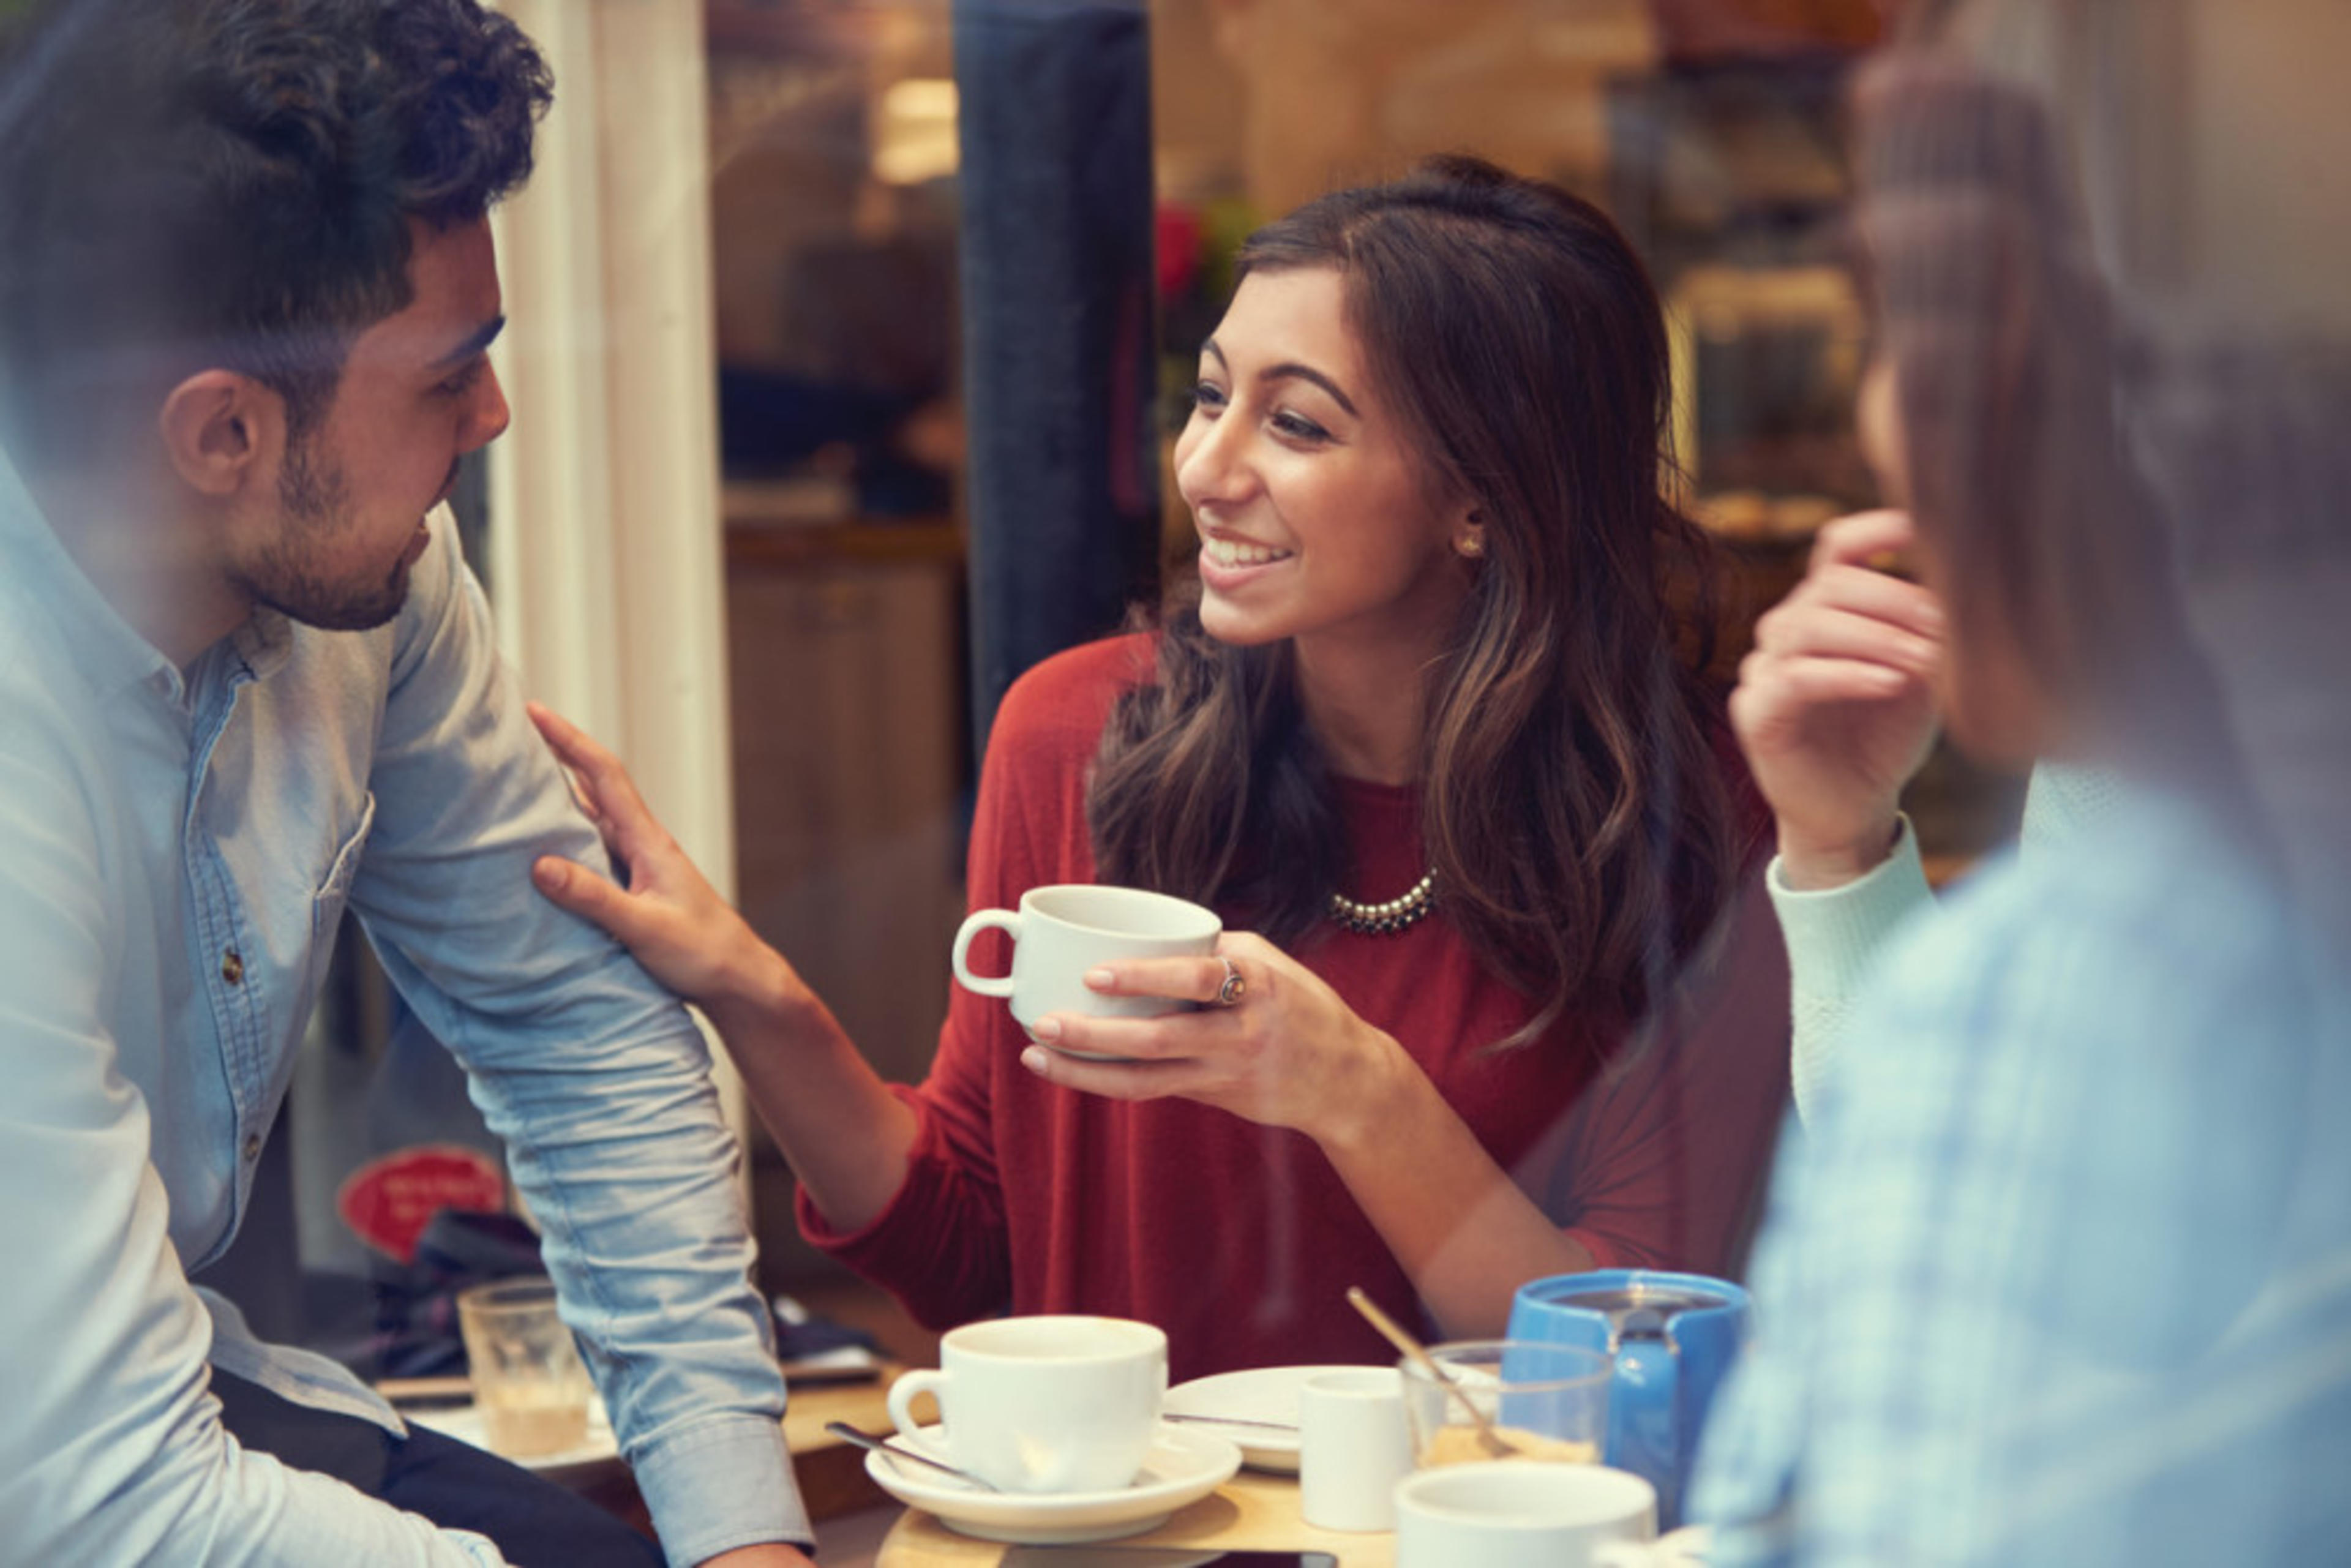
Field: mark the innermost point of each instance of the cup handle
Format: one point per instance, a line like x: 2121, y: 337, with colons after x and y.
x: 1624, y: 1555
x: 1688, y: 1547
x: 1005, y: 920
x: 1644, y: 1393
x: 902, y: 1415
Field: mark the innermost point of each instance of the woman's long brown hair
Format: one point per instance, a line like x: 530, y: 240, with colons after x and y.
x: 1573, y: 803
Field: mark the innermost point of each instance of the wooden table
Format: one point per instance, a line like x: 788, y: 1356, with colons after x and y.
x: 1249, y: 1512
x: 831, y: 1473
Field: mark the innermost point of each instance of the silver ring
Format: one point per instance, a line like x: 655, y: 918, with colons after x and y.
x: 1234, y: 987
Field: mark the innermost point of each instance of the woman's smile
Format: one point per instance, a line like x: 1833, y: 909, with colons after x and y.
x: 1291, y: 440
x: 1228, y: 564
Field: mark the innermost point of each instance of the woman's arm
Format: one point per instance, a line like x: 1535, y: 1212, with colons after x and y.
x: 1835, y: 711
x: 1293, y: 1054
x: 1834, y: 935
x: 845, y: 1135
x: 1464, y: 1231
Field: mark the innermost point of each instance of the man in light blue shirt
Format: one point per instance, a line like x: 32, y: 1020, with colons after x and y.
x: 247, y: 294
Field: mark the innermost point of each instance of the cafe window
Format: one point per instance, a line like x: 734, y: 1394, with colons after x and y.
x: 866, y: 631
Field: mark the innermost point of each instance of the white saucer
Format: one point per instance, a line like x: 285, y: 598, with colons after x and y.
x: 1181, y: 1468
x: 1259, y: 1394
x: 464, y: 1422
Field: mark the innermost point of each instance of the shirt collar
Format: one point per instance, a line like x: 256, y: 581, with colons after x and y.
x: 103, y: 645
x: 264, y: 640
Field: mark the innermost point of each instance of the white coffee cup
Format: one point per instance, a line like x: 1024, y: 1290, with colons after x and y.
x: 1518, y: 1513
x: 1042, y: 1404
x: 1061, y: 931
x: 1352, y: 1446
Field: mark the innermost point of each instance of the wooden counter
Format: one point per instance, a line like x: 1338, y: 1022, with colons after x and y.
x: 833, y: 1473
x: 1251, y: 1511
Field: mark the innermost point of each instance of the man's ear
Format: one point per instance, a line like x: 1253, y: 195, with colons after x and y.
x: 223, y: 431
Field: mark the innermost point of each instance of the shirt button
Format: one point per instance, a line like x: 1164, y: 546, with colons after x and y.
x: 233, y: 966
x: 252, y: 1146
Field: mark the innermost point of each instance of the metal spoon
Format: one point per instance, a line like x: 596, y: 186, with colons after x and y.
x: 850, y: 1434
x: 1226, y: 1420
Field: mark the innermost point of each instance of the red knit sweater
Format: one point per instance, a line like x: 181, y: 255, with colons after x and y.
x: 1239, y: 1240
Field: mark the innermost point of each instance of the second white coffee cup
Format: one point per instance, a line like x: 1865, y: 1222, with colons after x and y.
x: 1518, y: 1513
x: 1061, y: 931
x: 1042, y: 1404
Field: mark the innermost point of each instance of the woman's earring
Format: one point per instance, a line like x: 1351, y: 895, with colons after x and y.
x: 1470, y: 543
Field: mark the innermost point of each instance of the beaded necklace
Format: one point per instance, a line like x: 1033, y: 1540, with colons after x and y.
x: 1397, y: 913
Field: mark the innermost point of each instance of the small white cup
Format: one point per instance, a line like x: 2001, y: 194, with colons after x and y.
x: 1354, y: 1447
x: 1518, y: 1513
x: 1061, y: 931
x: 1043, y: 1404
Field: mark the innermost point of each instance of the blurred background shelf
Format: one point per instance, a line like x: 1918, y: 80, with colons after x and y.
x: 754, y: 545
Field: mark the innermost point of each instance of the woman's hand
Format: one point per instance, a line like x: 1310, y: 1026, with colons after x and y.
x: 1290, y: 1053
x: 1835, y: 707
x: 1287, y: 1054
x: 663, y: 910
x: 845, y: 1135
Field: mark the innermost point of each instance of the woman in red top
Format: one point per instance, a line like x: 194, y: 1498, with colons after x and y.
x: 1423, y: 733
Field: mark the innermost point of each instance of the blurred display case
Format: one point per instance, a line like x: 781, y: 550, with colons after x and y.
x: 834, y: 223
x: 833, y: 241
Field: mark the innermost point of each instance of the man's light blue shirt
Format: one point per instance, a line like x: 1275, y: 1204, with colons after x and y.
x: 176, y: 852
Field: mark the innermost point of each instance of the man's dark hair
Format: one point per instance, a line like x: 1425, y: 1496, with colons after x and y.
x: 188, y: 184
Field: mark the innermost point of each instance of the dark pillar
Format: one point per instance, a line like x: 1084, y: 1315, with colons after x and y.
x: 1058, y: 345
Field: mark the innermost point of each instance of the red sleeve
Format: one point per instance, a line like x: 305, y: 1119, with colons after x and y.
x: 939, y: 1246
x: 1666, y: 1153
x: 943, y: 1245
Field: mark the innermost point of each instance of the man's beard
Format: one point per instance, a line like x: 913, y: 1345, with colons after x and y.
x: 314, y: 500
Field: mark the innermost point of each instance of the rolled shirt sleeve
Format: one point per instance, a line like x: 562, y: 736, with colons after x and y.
x: 597, y: 1079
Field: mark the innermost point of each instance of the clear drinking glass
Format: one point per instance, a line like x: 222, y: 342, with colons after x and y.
x: 528, y: 1383
x: 1539, y: 1402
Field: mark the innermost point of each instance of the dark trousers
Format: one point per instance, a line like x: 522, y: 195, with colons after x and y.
x: 533, y: 1522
